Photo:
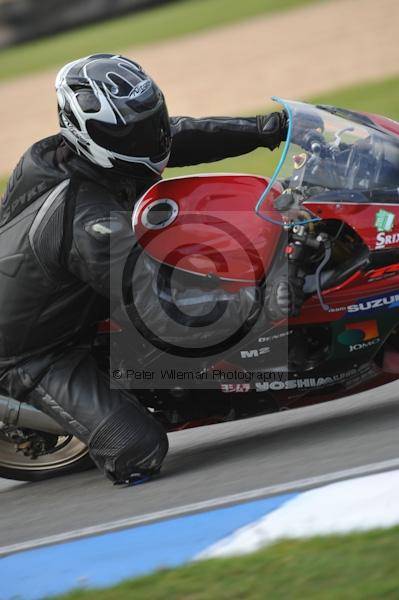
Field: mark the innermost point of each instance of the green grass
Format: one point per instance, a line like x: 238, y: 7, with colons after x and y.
x: 3, y: 183
x: 380, y: 97
x: 161, y: 23
x: 259, y: 162
x: 354, y: 567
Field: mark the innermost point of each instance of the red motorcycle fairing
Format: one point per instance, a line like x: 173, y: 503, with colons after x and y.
x: 206, y: 225
x: 381, y: 282
x: 356, y: 291
x: 362, y: 218
x: 384, y: 123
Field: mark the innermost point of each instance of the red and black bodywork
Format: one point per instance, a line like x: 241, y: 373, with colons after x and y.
x: 346, y: 337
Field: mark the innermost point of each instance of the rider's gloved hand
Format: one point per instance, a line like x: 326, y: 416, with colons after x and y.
x: 308, y: 129
x: 272, y: 129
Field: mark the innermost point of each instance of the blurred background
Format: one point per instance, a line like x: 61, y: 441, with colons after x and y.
x: 29, y: 19
x: 209, y: 56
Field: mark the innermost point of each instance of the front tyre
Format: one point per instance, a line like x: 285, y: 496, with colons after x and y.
x: 69, y: 455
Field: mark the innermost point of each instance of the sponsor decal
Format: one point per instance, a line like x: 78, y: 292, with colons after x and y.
x: 385, y: 239
x: 123, y: 88
x: 300, y: 160
x: 391, y: 301
x: 140, y: 88
x: 307, y: 383
x: 256, y: 352
x: 366, y: 372
x: 383, y: 272
x: 276, y: 336
x: 384, y: 221
x: 360, y: 335
x: 80, y: 135
x: 384, y: 224
x: 235, y: 388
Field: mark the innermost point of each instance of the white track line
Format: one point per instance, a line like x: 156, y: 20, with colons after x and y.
x: 272, y: 490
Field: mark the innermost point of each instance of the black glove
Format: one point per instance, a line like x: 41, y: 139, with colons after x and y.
x: 272, y: 129
x: 308, y: 130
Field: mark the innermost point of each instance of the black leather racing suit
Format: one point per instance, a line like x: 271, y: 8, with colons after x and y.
x: 55, y: 262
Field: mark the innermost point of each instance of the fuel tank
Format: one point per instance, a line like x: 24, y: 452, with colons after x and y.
x: 206, y: 225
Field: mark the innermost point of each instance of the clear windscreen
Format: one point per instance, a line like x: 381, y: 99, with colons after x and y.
x: 330, y: 149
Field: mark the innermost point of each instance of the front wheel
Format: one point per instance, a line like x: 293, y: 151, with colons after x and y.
x: 69, y: 455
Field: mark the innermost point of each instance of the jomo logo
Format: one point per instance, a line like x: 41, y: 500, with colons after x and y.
x: 359, y: 336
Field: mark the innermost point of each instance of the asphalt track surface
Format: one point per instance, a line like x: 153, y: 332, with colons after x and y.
x: 213, y: 462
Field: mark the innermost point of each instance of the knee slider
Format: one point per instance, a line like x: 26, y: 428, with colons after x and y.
x: 129, y: 441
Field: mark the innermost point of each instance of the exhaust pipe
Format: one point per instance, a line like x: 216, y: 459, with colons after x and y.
x: 20, y: 414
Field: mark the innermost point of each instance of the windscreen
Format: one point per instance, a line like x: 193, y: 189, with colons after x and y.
x: 330, y: 149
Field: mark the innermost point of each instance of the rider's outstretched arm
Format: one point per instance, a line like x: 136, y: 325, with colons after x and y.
x: 214, y: 138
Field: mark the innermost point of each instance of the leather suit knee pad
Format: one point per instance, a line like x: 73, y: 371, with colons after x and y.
x: 127, y: 442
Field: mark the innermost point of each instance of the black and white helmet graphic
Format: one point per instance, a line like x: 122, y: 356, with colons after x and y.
x: 113, y: 113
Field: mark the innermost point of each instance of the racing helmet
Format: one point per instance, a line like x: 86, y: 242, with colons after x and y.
x: 113, y: 114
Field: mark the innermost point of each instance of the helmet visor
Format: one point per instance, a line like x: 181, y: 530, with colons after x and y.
x: 145, y: 138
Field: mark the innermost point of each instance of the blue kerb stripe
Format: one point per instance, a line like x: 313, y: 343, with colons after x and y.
x: 109, y: 558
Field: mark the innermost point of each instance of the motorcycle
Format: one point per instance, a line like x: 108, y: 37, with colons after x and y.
x: 328, y: 217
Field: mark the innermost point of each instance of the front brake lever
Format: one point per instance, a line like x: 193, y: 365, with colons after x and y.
x: 338, y: 136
